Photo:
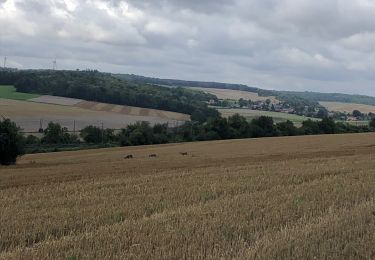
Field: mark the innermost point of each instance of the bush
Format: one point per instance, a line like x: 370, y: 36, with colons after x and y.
x: 137, y: 134
x: 327, y: 126
x: 55, y: 134
x: 32, y: 139
x: 287, y: 128
x: 92, y: 134
x: 11, y: 142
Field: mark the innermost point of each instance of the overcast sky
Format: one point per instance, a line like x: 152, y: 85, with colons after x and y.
x: 318, y: 45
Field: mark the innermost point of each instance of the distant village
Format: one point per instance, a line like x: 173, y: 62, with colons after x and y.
x: 283, y: 107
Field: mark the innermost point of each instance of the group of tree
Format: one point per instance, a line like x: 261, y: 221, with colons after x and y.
x: 12, y: 142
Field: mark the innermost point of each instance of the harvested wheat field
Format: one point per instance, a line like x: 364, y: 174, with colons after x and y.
x: 27, y: 115
x: 277, y: 198
x: 111, y: 108
x: 235, y: 94
x: 347, y: 107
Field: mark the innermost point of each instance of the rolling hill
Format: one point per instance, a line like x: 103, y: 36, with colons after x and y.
x: 303, y: 98
x: 28, y: 110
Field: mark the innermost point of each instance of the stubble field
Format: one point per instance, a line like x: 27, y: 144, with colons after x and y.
x: 27, y: 114
x: 235, y: 94
x: 348, y: 107
x: 277, y: 198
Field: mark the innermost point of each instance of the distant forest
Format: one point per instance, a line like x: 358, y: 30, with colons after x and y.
x: 332, y: 97
x: 184, y: 83
x: 295, y: 98
x: 104, y: 87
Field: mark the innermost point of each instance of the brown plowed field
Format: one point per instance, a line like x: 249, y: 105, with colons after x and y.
x: 307, y: 197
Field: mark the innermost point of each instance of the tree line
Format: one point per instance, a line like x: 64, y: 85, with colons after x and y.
x: 12, y: 142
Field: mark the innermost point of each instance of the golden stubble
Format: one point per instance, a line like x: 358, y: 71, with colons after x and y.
x: 306, y: 197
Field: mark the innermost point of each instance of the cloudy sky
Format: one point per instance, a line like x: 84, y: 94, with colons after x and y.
x: 319, y: 45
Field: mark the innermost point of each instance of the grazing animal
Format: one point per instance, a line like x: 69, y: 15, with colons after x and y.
x: 130, y: 156
x: 152, y: 155
x: 184, y: 154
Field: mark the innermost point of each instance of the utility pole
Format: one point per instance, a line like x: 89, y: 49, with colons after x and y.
x: 74, y: 127
x: 40, y: 126
x: 102, y: 133
x: 5, y: 61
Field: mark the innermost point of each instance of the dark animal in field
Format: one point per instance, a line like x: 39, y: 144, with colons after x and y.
x: 184, y: 154
x: 152, y: 155
x: 130, y: 156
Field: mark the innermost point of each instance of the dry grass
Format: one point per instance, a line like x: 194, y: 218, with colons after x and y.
x: 277, y: 198
x: 347, y: 107
x: 28, y: 114
x: 235, y: 94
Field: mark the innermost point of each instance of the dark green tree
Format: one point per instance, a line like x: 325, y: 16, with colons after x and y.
x: 137, y: 134
x: 239, y: 126
x: 286, y: 128
x: 243, y: 103
x: 310, y: 127
x: 322, y: 113
x: 357, y: 113
x: 263, y: 126
x: 372, y: 123
x: 94, y: 134
x: 32, y: 139
x: 11, y: 142
x: 327, y: 126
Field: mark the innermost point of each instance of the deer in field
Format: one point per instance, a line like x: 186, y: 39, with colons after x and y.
x: 152, y: 155
x: 184, y: 153
x: 129, y: 156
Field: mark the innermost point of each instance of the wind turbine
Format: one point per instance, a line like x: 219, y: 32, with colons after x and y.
x: 54, y: 63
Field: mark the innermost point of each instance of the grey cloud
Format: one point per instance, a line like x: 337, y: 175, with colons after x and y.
x: 281, y: 44
x: 208, y: 6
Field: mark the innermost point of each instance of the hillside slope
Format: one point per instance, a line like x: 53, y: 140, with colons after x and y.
x: 105, y: 88
x: 28, y: 115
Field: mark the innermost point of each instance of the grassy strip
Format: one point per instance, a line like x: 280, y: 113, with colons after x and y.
x: 32, y: 149
x: 10, y: 92
x: 277, y: 116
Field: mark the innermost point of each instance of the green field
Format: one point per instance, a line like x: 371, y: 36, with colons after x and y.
x: 10, y: 92
x: 277, y: 116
